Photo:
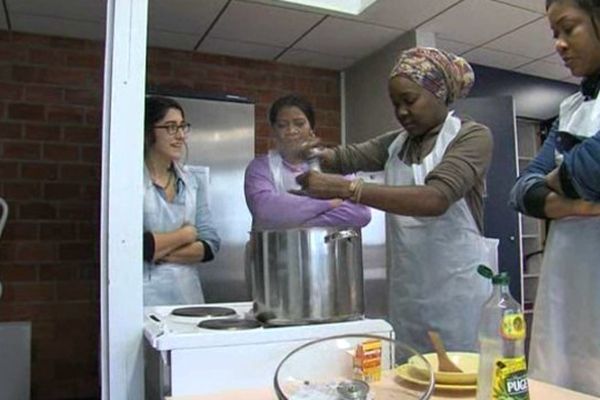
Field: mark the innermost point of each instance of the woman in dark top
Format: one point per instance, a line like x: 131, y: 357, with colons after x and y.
x: 562, y: 184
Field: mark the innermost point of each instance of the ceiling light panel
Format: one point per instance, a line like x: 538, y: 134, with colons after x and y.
x: 353, y: 7
x: 262, y: 24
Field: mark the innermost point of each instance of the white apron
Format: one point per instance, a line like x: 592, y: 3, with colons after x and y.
x: 432, y: 261
x: 170, y: 283
x: 565, y: 342
x: 579, y: 117
x: 283, y: 179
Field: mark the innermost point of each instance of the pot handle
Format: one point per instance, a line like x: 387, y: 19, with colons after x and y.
x: 340, y: 235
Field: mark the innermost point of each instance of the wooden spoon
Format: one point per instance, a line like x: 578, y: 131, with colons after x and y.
x: 444, y: 362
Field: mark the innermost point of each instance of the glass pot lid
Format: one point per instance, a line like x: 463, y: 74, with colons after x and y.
x: 352, y: 367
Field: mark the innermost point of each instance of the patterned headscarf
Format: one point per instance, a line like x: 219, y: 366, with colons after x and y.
x: 447, y: 76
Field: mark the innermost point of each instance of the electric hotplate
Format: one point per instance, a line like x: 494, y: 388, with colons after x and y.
x: 203, y: 311
x: 229, y: 324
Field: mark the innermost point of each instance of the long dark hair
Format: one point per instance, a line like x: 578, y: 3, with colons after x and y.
x: 156, y: 109
x: 292, y: 100
x: 591, y: 7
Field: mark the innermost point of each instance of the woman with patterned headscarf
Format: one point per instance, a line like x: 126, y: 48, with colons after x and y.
x: 435, y: 167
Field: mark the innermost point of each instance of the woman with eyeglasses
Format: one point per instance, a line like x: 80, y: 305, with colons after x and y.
x: 562, y: 184
x: 178, y: 229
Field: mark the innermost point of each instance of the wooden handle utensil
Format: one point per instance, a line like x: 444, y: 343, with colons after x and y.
x: 444, y: 362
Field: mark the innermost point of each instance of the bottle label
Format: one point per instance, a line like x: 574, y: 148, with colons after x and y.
x: 510, y: 379
x: 513, y: 326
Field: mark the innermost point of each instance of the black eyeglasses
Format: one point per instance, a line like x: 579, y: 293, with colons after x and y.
x: 172, y: 129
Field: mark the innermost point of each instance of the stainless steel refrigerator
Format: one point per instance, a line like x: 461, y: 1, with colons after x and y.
x: 220, y: 145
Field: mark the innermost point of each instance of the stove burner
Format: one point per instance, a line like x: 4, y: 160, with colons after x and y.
x: 229, y: 324
x: 202, y: 312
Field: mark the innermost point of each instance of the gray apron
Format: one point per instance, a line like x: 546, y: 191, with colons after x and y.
x: 432, y: 261
x: 565, y: 342
x: 170, y: 283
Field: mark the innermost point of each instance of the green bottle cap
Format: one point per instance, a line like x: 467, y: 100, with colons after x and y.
x: 485, y: 271
x: 501, y: 279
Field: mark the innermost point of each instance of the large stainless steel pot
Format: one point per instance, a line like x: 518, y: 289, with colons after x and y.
x: 310, y: 275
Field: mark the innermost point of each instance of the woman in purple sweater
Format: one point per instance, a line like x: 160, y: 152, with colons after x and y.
x: 270, y: 178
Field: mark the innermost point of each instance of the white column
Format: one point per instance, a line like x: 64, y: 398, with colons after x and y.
x: 121, y: 203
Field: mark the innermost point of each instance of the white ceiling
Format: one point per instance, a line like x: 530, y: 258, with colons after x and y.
x: 506, y: 34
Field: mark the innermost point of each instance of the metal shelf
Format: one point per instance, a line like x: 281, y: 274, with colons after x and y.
x: 532, y: 229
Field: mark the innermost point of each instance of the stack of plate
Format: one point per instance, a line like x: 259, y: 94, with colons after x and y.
x: 415, y: 371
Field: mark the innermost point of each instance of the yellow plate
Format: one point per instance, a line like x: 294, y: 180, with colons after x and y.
x: 403, y: 371
x: 467, y: 362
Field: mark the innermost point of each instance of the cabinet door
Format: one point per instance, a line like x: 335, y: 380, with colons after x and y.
x: 501, y: 222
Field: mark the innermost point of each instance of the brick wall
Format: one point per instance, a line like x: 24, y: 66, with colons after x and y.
x: 50, y: 135
x: 261, y: 81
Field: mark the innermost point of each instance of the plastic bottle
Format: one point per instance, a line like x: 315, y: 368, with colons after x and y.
x: 502, y: 368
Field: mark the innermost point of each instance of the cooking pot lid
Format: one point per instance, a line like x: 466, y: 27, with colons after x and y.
x: 203, y: 311
x: 229, y: 324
